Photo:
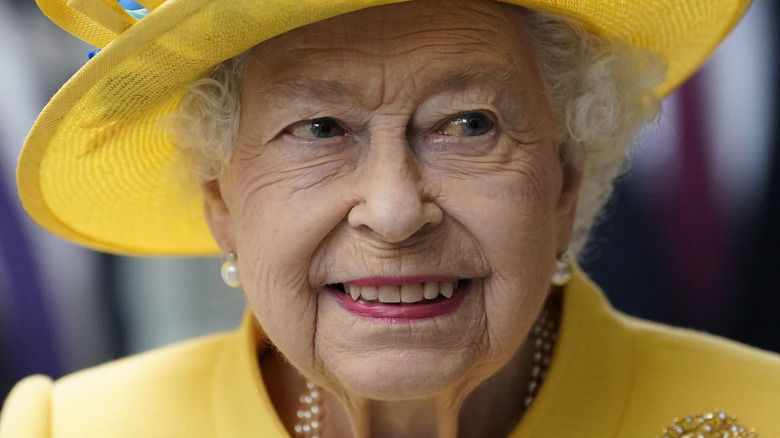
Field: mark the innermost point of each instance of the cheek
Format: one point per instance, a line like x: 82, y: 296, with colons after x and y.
x: 511, y: 218
x: 510, y: 213
x: 281, y: 223
x: 278, y: 231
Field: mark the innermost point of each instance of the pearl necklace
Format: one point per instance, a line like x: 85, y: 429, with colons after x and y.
x: 544, y: 332
x: 308, y: 414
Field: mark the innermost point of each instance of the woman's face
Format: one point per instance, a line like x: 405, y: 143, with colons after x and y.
x: 398, y: 152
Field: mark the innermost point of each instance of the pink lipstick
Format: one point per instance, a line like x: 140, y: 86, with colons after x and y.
x: 401, y: 299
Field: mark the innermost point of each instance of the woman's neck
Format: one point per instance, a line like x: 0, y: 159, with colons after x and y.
x: 493, y: 408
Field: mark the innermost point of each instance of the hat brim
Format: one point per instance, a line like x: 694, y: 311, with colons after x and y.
x: 99, y: 167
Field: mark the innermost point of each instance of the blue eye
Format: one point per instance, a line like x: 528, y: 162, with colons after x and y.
x: 323, y: 127
x: 471, y: 124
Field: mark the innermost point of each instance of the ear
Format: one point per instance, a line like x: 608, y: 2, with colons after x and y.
x: 571, y: 156
x: 216, y: 208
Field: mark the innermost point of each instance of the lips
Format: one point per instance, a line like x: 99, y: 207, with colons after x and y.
x: 401, y: 300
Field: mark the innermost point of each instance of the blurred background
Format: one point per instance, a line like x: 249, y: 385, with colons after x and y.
x: 691, y: 237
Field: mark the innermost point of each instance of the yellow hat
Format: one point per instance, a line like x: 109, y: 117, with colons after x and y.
x: 98, y: 167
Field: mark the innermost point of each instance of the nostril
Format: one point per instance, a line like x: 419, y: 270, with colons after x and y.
x: 395, y: 221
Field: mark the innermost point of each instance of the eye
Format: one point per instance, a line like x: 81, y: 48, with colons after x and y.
x: 324, y: 127
x: 471, y: 124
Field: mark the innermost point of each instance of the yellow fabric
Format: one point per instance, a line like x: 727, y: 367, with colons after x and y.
x: 611, y: 376
x: 99, y: 168
x: 109, y: 14
x: 29, y: 416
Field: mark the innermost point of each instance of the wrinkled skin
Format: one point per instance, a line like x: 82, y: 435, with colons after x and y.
x: 396, y: 183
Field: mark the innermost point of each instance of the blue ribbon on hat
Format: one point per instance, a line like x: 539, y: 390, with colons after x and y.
x: 133, y: 8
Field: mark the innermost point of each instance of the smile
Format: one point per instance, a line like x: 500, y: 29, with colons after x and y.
x: 401, y: 302
x: 407, y: 293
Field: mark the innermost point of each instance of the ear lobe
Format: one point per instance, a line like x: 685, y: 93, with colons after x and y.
x: 218, y: 215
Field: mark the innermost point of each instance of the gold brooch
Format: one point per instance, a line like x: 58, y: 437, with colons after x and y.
x: 709, y: 425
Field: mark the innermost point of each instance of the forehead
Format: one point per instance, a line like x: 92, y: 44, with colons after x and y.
x: 433, y: 43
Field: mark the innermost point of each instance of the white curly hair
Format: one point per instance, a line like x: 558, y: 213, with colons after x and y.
x: 600, y: 93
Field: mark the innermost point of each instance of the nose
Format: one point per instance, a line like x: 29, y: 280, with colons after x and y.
x: 391, y: 197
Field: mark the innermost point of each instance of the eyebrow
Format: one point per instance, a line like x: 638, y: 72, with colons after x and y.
x: 336, y: 92
x: 328, y: 91
x: 466, y: 77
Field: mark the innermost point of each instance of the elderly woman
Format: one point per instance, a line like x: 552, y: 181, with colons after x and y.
x: 400, y: 190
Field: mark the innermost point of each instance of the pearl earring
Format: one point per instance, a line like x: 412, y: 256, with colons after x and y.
x: 229, y: 271
x: 562, y: 273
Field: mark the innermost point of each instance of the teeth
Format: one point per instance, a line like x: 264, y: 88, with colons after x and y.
x: 409, y: 293
x: 446, y: 289
x: 412, y: 293
x: 431, y: 290
x: 354, y: 291
x: 368, y: 292
x: 389, y: 294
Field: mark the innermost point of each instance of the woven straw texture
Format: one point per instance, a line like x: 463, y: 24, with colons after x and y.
x: 99, y: 168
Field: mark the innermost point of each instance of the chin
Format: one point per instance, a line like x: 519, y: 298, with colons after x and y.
x: 404, y: 375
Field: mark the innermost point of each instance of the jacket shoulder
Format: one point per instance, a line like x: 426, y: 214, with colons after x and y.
x: 686, y: 373
x: 664, y: 348
x: 26, y: 412
x: 167, y: 386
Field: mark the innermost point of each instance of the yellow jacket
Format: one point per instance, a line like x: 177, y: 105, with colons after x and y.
x: 611, y: 376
